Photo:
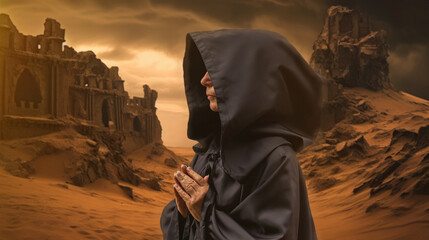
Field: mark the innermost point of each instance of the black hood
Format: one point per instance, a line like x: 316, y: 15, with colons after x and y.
x: 266, y: 92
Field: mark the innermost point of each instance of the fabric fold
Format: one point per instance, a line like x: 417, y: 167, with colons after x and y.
x: 269, y: 107
x: 210, y: 196
x: 262, y: 85
x: 170, y: 221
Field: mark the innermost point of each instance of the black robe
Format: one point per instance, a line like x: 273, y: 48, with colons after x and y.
x: 269, y: 102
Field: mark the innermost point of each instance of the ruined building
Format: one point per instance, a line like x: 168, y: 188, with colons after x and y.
x: 350, y: 52
x: 45, y: 86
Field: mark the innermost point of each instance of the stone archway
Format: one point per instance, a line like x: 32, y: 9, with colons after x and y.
x: 137, y: 126
x: 27, y: 90
x: 105, y: 113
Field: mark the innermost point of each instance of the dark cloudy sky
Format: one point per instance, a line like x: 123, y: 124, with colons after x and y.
x: 146, y: 38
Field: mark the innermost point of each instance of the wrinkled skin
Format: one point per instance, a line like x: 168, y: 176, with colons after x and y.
x: 190, y: 190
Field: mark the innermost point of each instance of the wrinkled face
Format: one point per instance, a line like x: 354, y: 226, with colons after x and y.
x: 206, y: 82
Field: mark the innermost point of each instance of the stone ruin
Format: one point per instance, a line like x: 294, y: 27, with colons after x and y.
x: 45, y: 87
x: 349, y: 53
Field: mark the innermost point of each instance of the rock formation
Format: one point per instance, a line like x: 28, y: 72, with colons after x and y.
x: 45, y: 87
x: 348, y: 51
x: 373, y: 136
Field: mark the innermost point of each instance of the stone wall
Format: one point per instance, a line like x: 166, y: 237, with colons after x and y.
x: 44, y: 82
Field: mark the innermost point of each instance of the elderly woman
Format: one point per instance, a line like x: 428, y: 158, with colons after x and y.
x: 253, y: 103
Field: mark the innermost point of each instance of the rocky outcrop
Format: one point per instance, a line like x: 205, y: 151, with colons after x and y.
x: 349, y: 52
x: 81, y: 156
x: 401, y: 167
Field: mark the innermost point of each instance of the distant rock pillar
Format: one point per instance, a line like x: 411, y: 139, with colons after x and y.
x: 4, y: 36
x: 149, y: 128
x: 150, y: 97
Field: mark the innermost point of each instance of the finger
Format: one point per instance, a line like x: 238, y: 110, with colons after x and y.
x: 185, y: 178
x: 176, y: 193
x: 178, y: 197
x: 183, y: 167
x: 187, y: 183
x: 182, y: 193
x: 177, y: 180
x: 196, y: 176
x: 206, y: 178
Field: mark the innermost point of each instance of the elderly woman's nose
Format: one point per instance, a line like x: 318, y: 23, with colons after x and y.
x: 206, y: 81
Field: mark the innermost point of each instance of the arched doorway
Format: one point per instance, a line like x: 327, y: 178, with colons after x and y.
x: 137, y: 126
x: 27, y: 90
x: 105, y: 111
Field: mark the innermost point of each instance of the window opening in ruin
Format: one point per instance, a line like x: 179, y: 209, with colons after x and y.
x: 98, y: 82
x: 38, y: 46
x: 136, y: 124
x: 85, y: 82
x: 105, y: 111
x: 27, y: 90
x: 105, y: 82
x: 346, y: 24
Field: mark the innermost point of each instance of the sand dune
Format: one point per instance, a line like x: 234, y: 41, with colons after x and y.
x: 45, y: 204
x: 367, y: 179
x: 363, y: 185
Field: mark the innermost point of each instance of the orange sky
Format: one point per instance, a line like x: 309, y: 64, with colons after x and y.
x: 146, y: 39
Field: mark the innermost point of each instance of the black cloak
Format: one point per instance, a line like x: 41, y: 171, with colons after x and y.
x: 269, y: 102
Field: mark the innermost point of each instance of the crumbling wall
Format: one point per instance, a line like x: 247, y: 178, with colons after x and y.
x: 349, y: 52
x: 40, y: 80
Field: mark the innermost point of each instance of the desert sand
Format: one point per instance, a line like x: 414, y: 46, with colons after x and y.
x: 352, y: 192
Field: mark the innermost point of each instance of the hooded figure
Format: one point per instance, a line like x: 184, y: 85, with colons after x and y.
x: 269, y: 108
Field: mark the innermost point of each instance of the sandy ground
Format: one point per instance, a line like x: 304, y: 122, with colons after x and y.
x: 43, y: 208
x: 340, y: 214
x: 46, y: 206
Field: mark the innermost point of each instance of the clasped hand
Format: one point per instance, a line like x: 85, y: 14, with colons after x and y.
x: 190, y: 189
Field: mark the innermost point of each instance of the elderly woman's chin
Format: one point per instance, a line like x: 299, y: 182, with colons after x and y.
x: 213, y: 105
